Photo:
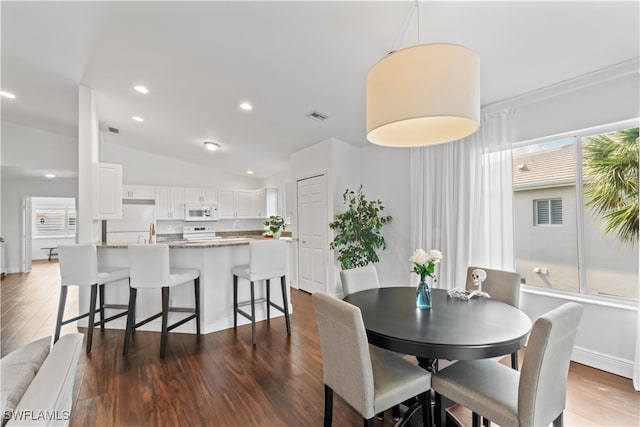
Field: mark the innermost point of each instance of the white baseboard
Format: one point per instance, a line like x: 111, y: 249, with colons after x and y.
x: 604, y: 362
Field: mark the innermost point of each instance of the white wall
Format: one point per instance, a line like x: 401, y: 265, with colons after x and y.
x: 26, y: 147
x: 340, y: 163
x: 141, y: 167
x: 385, y: 176
x: 607, y: 333
x: 31, y: 149
x: 13, y: 191
x: 603, y: 97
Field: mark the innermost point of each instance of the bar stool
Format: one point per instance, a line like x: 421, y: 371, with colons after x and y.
x: 149, y: 268
x: 79, y: 267
x: 268, y: 259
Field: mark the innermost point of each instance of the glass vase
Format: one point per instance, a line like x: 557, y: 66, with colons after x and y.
x: 423, y: 294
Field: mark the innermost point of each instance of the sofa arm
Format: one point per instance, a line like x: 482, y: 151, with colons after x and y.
x: 49, y: 398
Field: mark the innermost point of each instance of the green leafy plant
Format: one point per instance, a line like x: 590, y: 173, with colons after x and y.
x: 274, y: 223
x: 611, y: 162
x: 358, y: 230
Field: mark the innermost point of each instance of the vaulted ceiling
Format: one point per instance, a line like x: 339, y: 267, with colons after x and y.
x: 199, y: 60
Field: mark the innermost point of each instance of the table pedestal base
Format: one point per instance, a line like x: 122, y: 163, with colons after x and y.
x: 413, y: 416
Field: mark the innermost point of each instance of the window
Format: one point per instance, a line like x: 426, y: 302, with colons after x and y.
x: 576, y: 213
x: 548, y: 212
x: 55, y: 222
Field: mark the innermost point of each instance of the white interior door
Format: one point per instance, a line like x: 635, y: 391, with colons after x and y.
x: 312, y: 233
x: 25, y: 253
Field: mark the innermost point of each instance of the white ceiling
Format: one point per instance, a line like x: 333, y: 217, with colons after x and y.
x: 201, y: 59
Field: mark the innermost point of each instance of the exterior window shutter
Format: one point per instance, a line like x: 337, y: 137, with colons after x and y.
x: 556, y: 211
x: 542, y: 212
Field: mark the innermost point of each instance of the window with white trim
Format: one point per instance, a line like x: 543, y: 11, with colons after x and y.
x: 575, y: 205
x: 54, y: 222
x: 548, y: 211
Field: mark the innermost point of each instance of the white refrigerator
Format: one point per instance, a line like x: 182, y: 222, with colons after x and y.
x: 134, y: 225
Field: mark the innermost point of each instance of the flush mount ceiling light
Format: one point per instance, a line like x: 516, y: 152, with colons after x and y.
x: 423, y: 95
x: 246, y: 106
x: 49, y: 175
x: 5, y: 94
x: 138, y: 119
x: 211, y: 146
x: 250, y: 172
x: 141, y: 89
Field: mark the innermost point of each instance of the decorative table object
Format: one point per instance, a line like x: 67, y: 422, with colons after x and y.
x: 424, y: 265
x: 274, y: 223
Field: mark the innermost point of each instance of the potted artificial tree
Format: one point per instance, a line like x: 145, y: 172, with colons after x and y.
x: 358, y: 230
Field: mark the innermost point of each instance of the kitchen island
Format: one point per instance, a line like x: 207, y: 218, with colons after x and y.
x: 214, y: 259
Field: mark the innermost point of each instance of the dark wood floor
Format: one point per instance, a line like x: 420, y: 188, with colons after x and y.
x: 220, y: 379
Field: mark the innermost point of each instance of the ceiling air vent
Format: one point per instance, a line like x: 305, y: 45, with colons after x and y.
x: 317, y: 116
x: 114, y: 130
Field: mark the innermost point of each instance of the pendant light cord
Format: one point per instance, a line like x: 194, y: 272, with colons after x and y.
x: 417, y: 12
x: 407, y: 24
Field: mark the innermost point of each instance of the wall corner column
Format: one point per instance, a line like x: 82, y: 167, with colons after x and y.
x: 88, y: 229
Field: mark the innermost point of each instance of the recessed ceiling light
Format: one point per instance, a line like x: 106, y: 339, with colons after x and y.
x: 250, y: 172
x: 246, y: 106
x: 141, y: 89
x: 49, y: 175
x: 138, y: 119
x: 212, y: 146
x: 7, y: 95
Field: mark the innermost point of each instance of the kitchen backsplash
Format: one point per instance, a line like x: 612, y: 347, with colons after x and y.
x: 175, y: 227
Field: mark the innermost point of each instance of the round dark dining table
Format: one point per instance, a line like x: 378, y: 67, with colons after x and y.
x: 452, y: 329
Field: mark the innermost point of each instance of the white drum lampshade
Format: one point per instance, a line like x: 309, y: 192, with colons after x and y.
x: 423, y: 95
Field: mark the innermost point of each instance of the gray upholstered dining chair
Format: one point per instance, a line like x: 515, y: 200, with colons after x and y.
x: 359, y: 279
x: 369, y: 379
x: 534, y: 397
x: 503, y: 286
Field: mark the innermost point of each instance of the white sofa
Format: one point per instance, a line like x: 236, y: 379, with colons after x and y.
x: 37, y: 382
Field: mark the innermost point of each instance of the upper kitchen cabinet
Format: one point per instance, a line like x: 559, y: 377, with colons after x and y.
x: 107, y: 194
x: 170, y: 202
x: 139, y: 192
x: 237, y: 204
x: 268, y: 202
x: 248, y: 203
x: 201, y: 195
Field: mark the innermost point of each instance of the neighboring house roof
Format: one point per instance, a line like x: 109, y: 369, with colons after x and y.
x: 547, y: 168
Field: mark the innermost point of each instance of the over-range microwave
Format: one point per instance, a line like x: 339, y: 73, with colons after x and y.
x: 200, y: 212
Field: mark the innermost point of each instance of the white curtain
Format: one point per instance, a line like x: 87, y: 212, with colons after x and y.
x: 461, y: 200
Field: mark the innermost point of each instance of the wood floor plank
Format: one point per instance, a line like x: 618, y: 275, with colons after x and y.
x: 220, y: 379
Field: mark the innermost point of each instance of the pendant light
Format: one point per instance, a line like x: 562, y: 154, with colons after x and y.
x: 423, y: 95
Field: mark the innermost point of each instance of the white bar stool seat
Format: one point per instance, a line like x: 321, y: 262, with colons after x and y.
x: 79, y: 267
x: 149, y: 268
x: 267, y: 260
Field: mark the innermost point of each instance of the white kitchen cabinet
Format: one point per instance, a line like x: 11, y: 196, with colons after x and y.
x: 226, y: 204
x: 201, y: 195
x: 107, y: 194
x: 268, y: 202
x: 139, y: 192
x: 248, y: 203
x: 170, y: 202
